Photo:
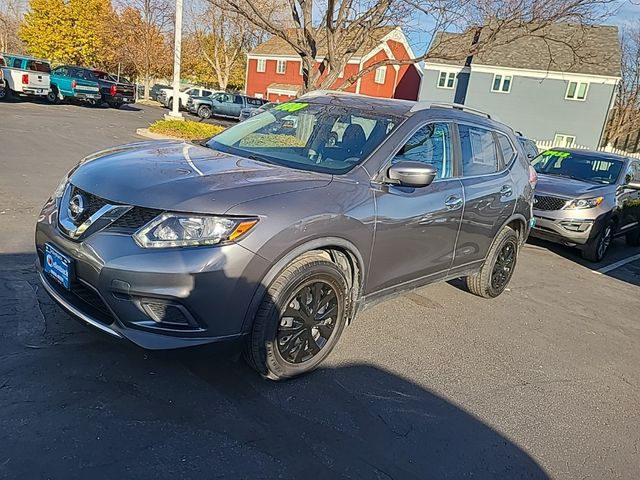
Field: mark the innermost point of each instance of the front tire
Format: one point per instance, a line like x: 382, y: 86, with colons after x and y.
x: 596, y: 248
x: 300, y: 319
x: 204, y: 111
x: 497, y: 269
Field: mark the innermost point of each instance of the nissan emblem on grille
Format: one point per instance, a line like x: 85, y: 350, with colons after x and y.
x: 76, y: 207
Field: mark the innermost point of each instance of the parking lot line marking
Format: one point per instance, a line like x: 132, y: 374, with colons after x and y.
x: 615, y: 265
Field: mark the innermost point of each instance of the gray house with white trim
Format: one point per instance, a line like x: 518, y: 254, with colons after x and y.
x: 551, y: 90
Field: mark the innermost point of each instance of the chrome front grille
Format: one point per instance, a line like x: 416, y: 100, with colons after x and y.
x: 545, y: 202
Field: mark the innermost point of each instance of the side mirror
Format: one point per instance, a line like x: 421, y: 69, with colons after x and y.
x: 412, y: 174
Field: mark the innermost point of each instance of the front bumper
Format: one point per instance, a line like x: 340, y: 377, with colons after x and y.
x: 118, y: 288
x: 566, y: 231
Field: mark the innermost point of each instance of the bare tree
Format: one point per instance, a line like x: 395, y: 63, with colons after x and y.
x: 624, y: 124
x: 222, y: 38
x: 327, y: 33
x: 11, y: 12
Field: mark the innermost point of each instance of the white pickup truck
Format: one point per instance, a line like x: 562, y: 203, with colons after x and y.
x: 22, y: 75
x: 165, y: 97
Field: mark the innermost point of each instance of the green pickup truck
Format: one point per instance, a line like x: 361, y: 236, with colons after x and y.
x: 76, y: 83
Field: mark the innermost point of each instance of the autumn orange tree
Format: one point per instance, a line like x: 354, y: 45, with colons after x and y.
x: 140, y: 35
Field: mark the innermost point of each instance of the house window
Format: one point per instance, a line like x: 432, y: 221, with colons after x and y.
x: 381, y: 73
x: 446, y: 80
x: 577, y: 91
x: 501, y: 83
x: 262, y: 65
x: 258, y: 95
x: 562, y: 140
x: 281, y: 66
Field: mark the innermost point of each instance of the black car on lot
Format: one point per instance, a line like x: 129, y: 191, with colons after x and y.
x: 115, y: 91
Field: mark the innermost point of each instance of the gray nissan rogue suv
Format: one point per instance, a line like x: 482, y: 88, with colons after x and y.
x: 270, y: 238
x: 585, y: 199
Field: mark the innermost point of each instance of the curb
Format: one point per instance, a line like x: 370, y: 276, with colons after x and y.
x: 144, y: 132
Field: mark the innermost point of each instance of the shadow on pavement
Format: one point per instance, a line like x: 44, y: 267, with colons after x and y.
x: 75, y: 405
x: 618, y: 250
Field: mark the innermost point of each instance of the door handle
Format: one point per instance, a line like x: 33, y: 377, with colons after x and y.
x: 506, y: 191
x: 453, y: 202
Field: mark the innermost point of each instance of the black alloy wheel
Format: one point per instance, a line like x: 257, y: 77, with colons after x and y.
x: 605, y: 241
x: 504, y: 265
x: 308, y: 322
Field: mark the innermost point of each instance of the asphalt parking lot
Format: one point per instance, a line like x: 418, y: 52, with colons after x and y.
x: 542, y: 382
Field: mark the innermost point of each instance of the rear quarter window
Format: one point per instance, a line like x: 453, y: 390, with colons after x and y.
x: 38, y: 66
x: 508, y: 152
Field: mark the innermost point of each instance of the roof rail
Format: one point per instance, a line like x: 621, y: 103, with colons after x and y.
x: 457, y: 106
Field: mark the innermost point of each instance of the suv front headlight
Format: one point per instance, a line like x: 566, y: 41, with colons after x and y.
x: 184, y: 230
x: 582, y: 203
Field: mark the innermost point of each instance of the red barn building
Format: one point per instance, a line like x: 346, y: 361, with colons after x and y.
x: 274, y: 71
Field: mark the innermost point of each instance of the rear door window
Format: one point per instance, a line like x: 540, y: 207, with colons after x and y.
x: 479, y: 151
x: 237, y: 99
x: 206, y: 93
x: 430, y: 144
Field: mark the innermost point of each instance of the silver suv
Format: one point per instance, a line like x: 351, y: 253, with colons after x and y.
x: 585, y: 199
x: 269, y: 237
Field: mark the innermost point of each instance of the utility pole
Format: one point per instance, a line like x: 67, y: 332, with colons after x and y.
x: 177, y: 53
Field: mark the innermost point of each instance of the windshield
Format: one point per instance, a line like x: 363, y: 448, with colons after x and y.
x: 308, y: 136
x: 579, y: 167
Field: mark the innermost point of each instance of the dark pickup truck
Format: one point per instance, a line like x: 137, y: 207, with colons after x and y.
x: 115, y: 92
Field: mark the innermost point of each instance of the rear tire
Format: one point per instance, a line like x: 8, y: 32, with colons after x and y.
x: 313, y: 291
x: 497, y: 269
x: 633, y: 238
x: 596, y: 248
x: 204, y: 111
x: 52, y: 96
x: 4, y: 91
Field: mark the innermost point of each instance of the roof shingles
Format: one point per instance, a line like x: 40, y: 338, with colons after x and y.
x: 560, y: 47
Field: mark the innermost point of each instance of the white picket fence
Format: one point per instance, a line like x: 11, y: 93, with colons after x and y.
x: 546, y: 144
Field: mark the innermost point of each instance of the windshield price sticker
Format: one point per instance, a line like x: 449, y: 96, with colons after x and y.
x: 555, y: 153
x: 291, y: 107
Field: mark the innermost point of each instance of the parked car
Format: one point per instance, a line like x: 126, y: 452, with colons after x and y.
x: 165, y: 97
x: 22, y: 75
x: 115, y: 91
x: 75, y: 83
x: 271, y: 243
x: 530, y: 147
x: 222, y: 104
x: 585, y: 199
x: 253, y: 110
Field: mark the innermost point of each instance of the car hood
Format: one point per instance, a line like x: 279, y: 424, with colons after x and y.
x: 555, y: 185
x: 178, y: 176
